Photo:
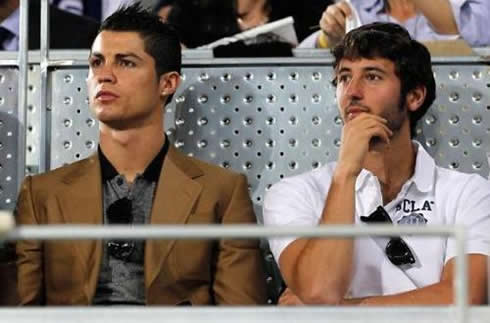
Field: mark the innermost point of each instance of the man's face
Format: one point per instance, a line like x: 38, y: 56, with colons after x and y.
x: 123, y: 87
x: 370, y: 86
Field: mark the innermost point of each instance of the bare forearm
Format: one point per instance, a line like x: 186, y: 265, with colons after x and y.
x: 440, y: 293
x: 439, y: 14
x: 332, y: 256
x: 437, y: 294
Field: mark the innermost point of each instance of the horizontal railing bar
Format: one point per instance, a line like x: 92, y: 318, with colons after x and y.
x: 78, y: 232
x: 266, y: 314
x: 190, y: 58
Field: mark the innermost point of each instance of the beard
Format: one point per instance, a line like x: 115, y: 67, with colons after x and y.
x: 396, y: 115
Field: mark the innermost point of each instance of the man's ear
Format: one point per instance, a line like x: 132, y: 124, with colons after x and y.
x: 416, y: 97
x: 169, y: 82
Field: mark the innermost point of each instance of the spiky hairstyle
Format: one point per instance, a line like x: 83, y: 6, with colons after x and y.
x: 160, y: 39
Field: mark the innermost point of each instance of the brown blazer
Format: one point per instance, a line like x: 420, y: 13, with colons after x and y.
x: 176, y: 271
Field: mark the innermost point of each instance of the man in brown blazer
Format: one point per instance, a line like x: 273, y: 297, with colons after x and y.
x: 136, y: 177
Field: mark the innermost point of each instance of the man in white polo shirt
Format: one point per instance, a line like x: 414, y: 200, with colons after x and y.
x: 384, y: 85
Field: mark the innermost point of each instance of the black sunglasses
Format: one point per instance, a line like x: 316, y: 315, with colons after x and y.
x: 120, y: 212
x: 397, y: 249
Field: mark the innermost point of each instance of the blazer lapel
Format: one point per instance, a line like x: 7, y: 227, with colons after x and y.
x: 174, y: 199
x: 81, y: 203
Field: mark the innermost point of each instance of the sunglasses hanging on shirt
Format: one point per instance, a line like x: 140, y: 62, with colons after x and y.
x: 120, y: 213
x: 397, y: 249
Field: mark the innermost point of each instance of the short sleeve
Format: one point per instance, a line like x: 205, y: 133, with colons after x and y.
x: 295, y: 201
x: 473, y: 212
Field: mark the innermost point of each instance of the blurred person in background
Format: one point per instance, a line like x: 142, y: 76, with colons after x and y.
x: 306, y: 14
x: 425, y: 20
x: 60, y: 37
x: 200, y: 22
x: 163, y: 8
x: 96, y: 9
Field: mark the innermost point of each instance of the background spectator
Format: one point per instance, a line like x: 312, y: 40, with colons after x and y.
x: 97, y: 9
x: 163, y: 7
x: 200, y: 22
x: 306, y: 13
x: 425, y: 20
x: 84, y: 28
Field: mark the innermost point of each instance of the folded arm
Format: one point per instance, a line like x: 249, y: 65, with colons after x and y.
x: 441, y: 293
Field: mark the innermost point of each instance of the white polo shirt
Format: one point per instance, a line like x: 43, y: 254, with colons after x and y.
x: 433, y: 196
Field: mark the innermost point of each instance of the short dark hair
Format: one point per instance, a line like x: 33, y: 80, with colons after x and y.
x: 391, y: 41
x: 160, y: 39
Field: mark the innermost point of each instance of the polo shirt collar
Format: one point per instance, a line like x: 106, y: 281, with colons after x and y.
x: 151, y: 173
x: 425, y: 169
x: 423, y: 176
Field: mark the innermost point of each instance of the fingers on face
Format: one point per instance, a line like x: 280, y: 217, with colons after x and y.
x: 373, y: 125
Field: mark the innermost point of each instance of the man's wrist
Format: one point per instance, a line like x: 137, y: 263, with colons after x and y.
x: 344, y: 174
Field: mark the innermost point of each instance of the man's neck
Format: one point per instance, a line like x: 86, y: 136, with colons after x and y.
x: 393, y: 165
x: 131, y: 151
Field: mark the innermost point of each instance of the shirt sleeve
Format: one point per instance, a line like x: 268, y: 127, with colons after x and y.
x: 473, y: 212
x: 472, y: 17
x: 291, y: 202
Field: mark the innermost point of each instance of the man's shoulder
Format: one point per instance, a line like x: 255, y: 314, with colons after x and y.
x: 207, y: 169
x: 452, y: 179
x: 455, y: 187
x: 55, y: 176
x: 313, y: 181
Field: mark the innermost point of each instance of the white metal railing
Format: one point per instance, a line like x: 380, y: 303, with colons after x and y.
x: 457, y: 312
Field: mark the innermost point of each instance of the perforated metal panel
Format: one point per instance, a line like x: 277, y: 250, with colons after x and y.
x: 266, y: 122
x: 456, y: 130
x: 73, y: 130
x: 34, y: 132
x: 9, y: 132
x: 274, y: 122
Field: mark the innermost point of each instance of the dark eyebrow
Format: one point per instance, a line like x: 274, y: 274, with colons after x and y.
x: 128, y: 55
x: 374, y: 69
x: 118, y: 56
x: 343, y: 69
x: 95, y: 54
x: 365, y: 69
